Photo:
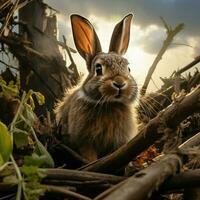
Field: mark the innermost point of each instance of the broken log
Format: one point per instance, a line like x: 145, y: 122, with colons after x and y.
x: 142, y: 184
x: 149, y: 179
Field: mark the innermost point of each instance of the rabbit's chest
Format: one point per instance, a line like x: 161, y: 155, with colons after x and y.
x: 106, y: 128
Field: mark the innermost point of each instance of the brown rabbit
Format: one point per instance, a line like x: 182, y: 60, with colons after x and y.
x: 98, y: 117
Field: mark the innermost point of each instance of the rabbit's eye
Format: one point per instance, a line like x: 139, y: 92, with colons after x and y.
x: 129, y: 69
x: 98, y: 69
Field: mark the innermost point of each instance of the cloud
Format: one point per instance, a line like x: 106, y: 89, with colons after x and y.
x: 149, y: 39
x: 146, y: 13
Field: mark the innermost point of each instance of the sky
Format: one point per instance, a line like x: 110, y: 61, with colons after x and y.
x: 147, y: 31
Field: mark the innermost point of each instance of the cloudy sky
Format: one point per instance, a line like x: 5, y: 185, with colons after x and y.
x: 147, y: 32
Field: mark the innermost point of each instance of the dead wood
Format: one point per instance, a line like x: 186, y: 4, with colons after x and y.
x: 65, y: 192
x: 41, y: 65
x: 188, y: 179
x: 188, y: 66
x: 76, y: 175
x: 74, y: 154
x: 170, y: 36
x: 150, y: 104
x: 150, y: 178
x: 192, y: 194
x: 193, y: 141
x: 146, y: 180
x: 154, y: 130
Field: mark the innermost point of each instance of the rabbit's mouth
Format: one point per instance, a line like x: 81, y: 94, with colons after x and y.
x: 117, y: 96
x: 112, y: 91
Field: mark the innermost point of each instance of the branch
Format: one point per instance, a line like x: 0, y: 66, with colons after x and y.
x: 193, y: 141
x: 76, y: 175
x: 9, y: 66
x: 65, y: 192
x: 9, y: 15
x: 71, y: 58
x: 168, y: 118
x: 188, y: 179
x: 190, y: 65
x: 142, y: 184
x: 74, y: 154
x: 170, y: 36
x: 149, y: 179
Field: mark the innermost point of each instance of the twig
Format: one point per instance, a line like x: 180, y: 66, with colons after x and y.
x: 74, y: 154
x: 5, y: 4
x: 170, y: 36
x: 19, y: 110
x: 188, y: 179
x: 170, y: 117
x: 190, y: 65
x: 193, y: 141
x: 20, y: 179
x: 68, y: 174
x: 10, y: 14
x: 168, y: 27
x: 9, y: 66
x: 65, y: 192
x: 70, y: 57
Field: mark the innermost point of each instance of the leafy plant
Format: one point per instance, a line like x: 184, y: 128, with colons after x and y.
x: 9, y: 89
x: 32, y: 189
x: 6, y: 144
x: 21, y: 132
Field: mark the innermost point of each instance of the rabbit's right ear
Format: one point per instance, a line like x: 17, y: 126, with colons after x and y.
x: 85, y: 38
x: 121, y: 35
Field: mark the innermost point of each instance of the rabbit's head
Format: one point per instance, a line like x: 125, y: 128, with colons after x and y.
x: 109, y: 78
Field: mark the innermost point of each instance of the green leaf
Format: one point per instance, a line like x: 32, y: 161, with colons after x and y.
x: 32, y: 176
x: 1, y: 160
x: 40, y: 98
x: 5, y: 144
x: 12, y: 179
x: 35, y: 160
x: 9, y: 89
x: 20, y: 138
x: 41, y: 150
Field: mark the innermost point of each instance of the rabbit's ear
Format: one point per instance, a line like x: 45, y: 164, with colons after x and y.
x: 121, y: 34
x: 85, y: 38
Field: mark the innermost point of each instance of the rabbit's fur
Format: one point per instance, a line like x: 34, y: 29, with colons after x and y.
x: 98, y: 117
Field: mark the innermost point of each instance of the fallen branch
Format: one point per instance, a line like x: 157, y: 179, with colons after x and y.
x: 170, y: 36
x: 146, y: 180
x: 170, y: 117
x: 188, y: 66
x: 74, y: 154
x: 149, y: 179
x: 76, y: 175
x: 193, y: 141
x: 188, y: 179
x: 64, y: 192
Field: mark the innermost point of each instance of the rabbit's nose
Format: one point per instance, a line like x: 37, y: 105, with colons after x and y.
x: 119, y: 85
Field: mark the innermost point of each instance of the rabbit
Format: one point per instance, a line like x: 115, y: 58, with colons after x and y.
x: 98, y: 118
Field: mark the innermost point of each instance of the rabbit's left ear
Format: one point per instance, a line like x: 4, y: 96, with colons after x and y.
x: 85, y: 38
x: 121, y: 35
